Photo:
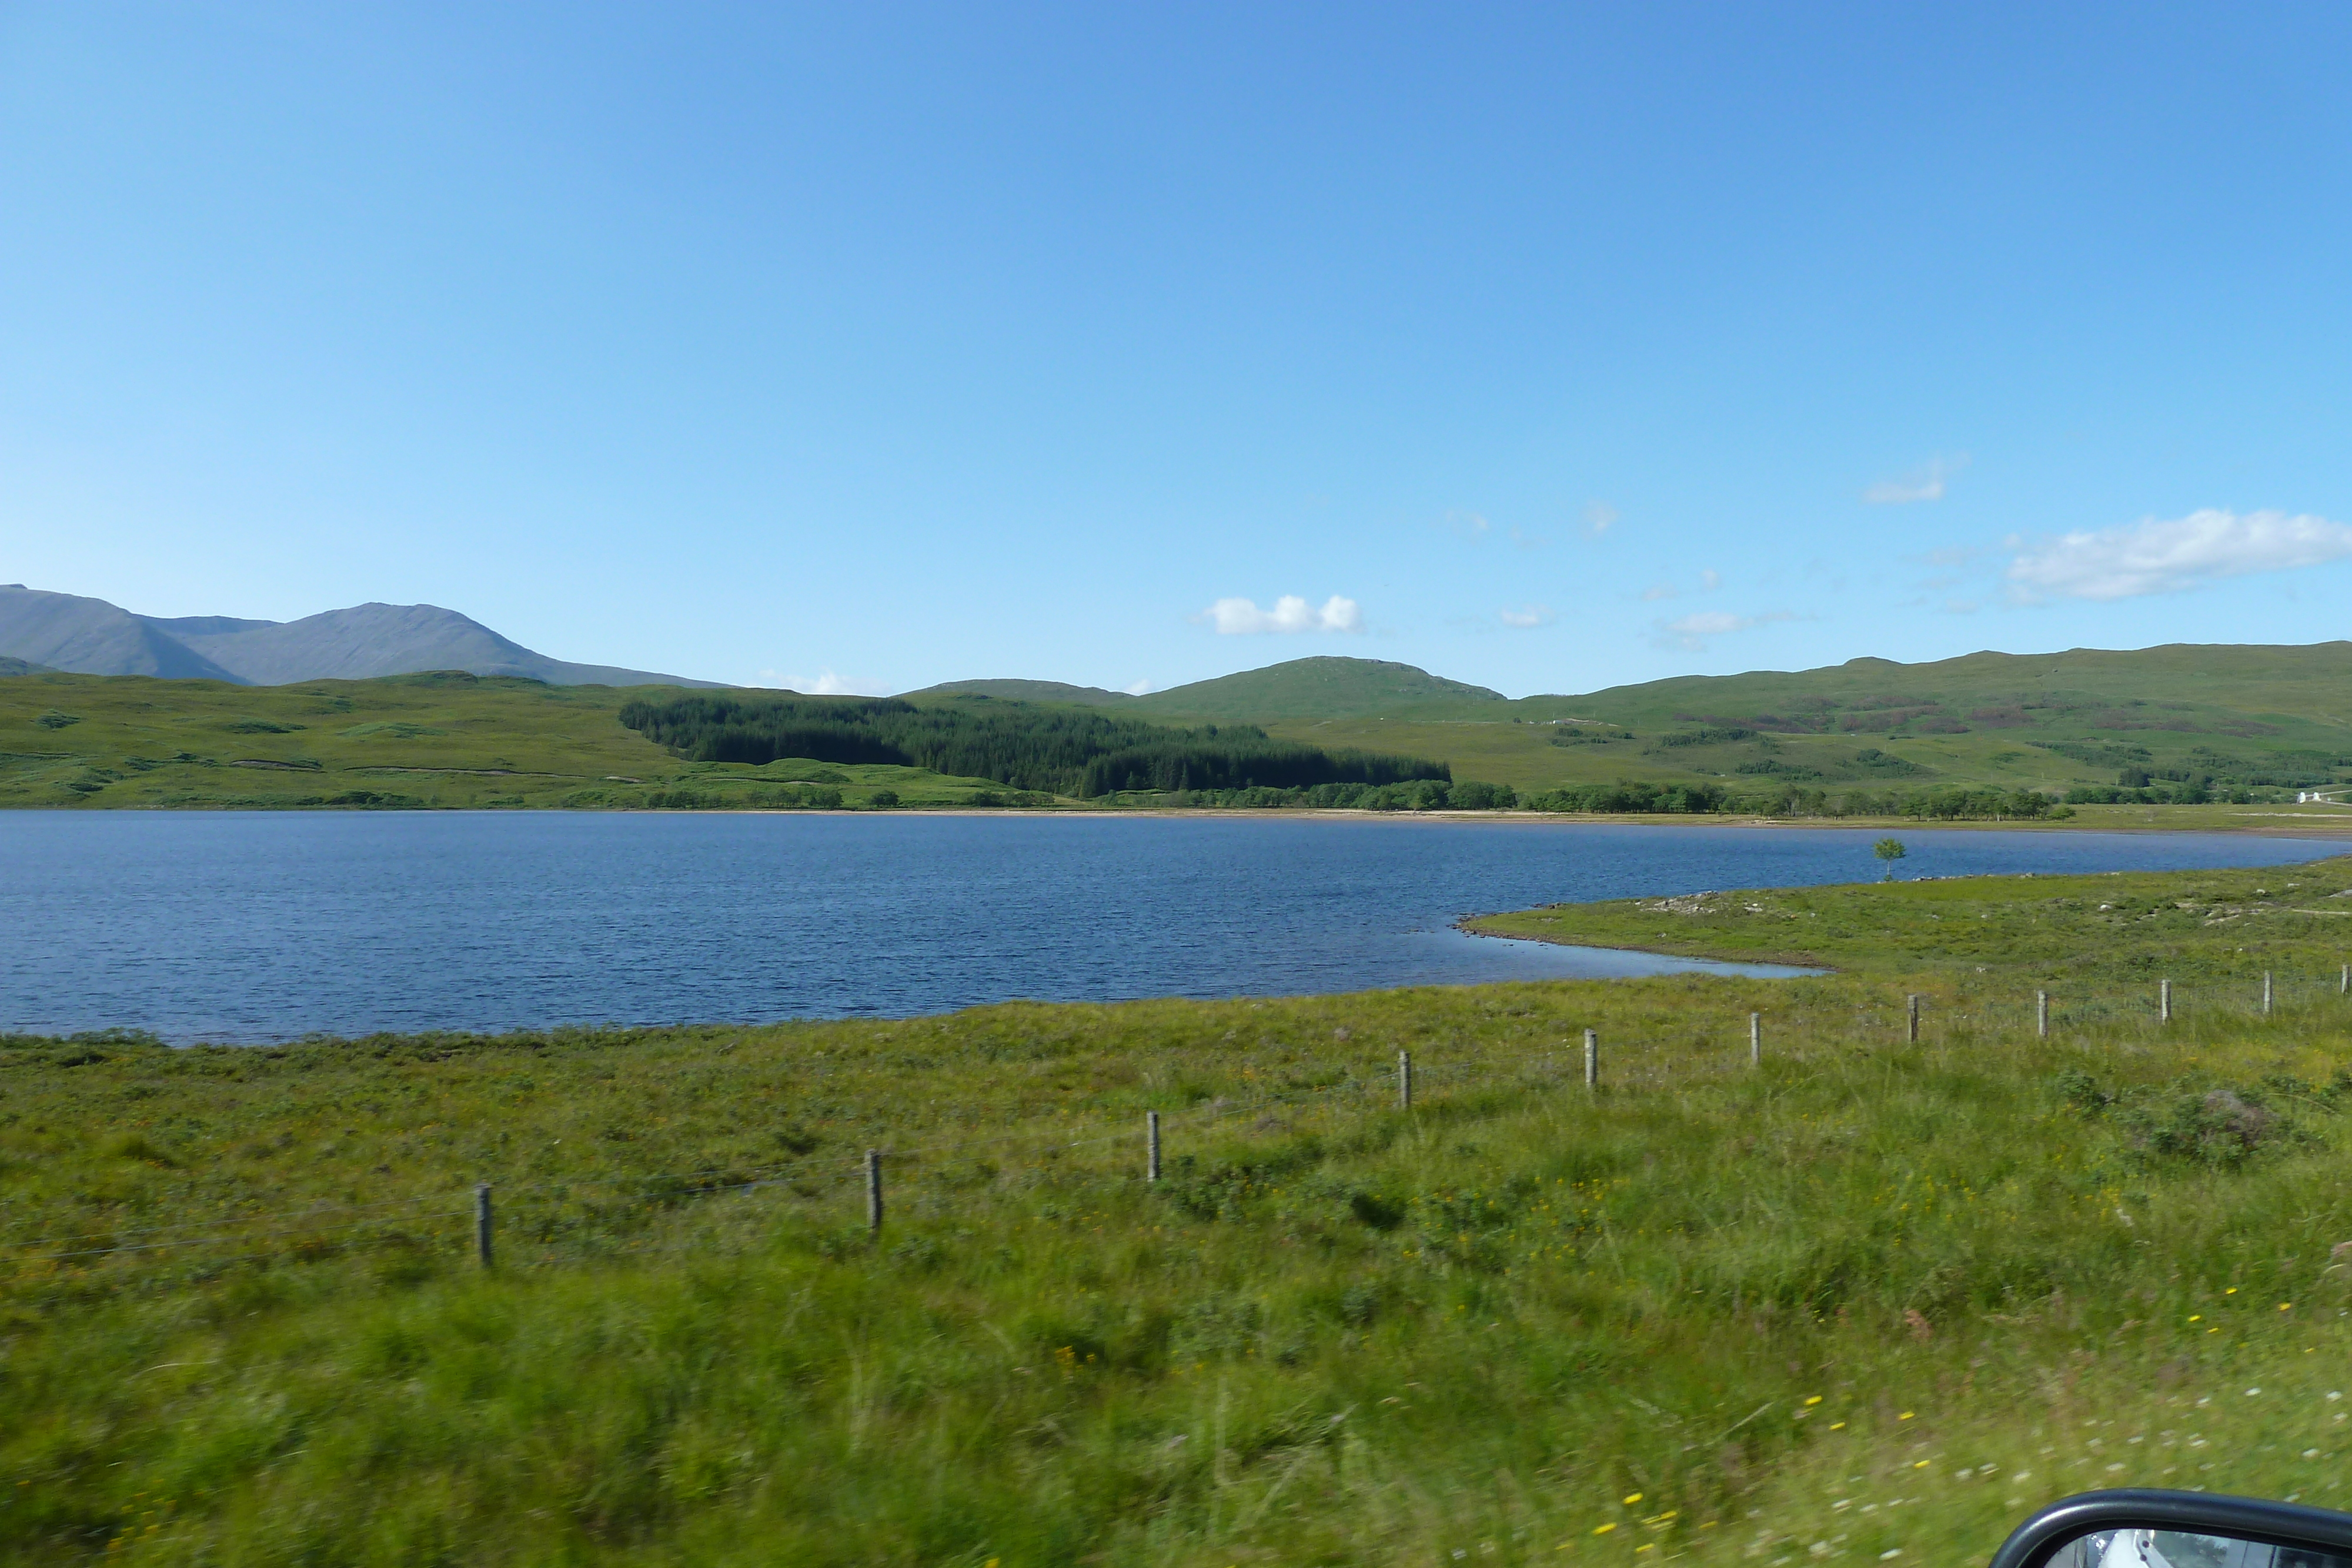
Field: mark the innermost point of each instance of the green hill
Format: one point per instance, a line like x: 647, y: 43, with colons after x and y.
x: 2228, y: 685
x: 1297, y: 691
x: 2275, y: 718
x: 1307, y: 690
x: 443, y: 739
x: 2232, y: 721
x: 1024, y: 692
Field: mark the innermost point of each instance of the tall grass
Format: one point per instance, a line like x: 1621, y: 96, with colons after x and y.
x: 1868, y: 1298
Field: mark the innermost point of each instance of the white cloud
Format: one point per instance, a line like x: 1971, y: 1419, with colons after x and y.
x: 1708, y: 581
x: 1290, y: 613
x: 1468, y: 524
x: 1137, y: 690
x: 826, y: 683
x: 1597, y: 515
x: 1528, y: 615
x: 2168, y: 556
x: 1692, y: 631
x: 1920, y: 485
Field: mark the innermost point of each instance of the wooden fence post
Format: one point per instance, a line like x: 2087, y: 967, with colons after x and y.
x: 1754, y: 1039
x: 2343, y: 983
x: 1404, y: 1081
x: 2164, y: 1001
x: 1592, y: 1059
x: 1914, y: 1027
x: 874, y: 1190
x: 482, y: 1224
x: 2266, y: 993
x: 1151, y: 1160
x: 2042, y: 1014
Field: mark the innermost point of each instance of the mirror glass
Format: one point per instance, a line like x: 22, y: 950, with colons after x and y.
x: 2174, y: 1549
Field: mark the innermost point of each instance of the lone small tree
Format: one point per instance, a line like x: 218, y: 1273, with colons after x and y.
x: 1890, y: 850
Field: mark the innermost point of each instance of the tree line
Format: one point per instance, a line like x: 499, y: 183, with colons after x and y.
x: 1064, y: 751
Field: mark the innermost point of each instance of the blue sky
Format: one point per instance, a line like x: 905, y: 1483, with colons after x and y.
x: 1547, y: 348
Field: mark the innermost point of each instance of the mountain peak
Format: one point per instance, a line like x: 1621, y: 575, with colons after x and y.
x: 90, y: 636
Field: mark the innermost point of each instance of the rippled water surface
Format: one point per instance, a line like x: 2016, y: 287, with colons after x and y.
x: 265, y: 925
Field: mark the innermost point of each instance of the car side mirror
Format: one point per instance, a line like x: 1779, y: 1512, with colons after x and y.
x: 2149, y: 1528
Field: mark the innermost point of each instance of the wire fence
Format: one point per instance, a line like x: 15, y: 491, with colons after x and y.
x: 573, y: 1218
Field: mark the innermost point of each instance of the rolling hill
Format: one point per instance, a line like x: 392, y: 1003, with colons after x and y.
x: 2256, y: 723
x: 90, y: 636
x: 2264, y: 717
x: 1026, y: 692
x: 1298, y: 690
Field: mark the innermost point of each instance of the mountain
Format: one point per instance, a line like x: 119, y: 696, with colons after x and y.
x: 21, y: 667
x: 90, y: 636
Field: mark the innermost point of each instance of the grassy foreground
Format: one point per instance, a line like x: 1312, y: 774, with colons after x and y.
x: 1867, y: 1300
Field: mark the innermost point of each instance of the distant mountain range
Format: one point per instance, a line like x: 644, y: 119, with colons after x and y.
x: 92, y: 637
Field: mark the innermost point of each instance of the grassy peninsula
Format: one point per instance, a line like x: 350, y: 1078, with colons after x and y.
x: 2114, y: 932
x: 1864, y: 1301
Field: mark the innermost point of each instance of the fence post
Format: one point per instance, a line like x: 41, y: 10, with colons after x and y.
x: 1151, y: 1160
x: 2266, y: 993
x: 1592, y: 1059
x: 2164, y: 1001
x: 874, y: 1189
x: 482, y: 1223
x: 2344, y: 986
x: 2042, y: 1014
x: 1404, y: 1081
x: 1914, y: 1027
x: 1755, y: 1039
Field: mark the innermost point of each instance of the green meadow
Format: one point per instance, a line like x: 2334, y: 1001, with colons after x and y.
x: 1865, y: 1300
x: 449, y: 739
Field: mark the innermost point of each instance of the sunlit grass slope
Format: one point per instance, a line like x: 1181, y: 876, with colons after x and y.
x: 449, y: 739
x: 1866, y: 1301
x: 2035, y: 721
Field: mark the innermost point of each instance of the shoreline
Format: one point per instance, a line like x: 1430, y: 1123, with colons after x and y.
x: 2288, y: 826
x: 2277, y: 823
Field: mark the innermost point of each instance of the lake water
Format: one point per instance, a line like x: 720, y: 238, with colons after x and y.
x: 268, y: 926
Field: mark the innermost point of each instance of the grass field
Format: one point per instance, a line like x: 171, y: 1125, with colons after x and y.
x: 446, y: 740
x: 1867, y: 1300
x: 2113, y: 932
